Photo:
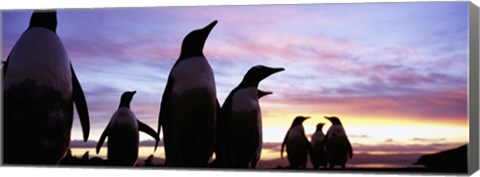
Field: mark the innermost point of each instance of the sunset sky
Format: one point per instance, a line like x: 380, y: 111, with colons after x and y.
x: 394, y: 73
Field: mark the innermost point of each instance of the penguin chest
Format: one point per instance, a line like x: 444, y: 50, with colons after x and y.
x: 193, y: 74
x: 246, y: 100
x: 318, y: 140
x: 296, y: 138
x: 123, y: 136
x: 297, y: 145
x: 337, y: 144
x: 39, y: 56
x: 245, y: 111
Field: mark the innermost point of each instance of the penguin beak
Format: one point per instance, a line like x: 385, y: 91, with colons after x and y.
x: 209, y: 28
x: 262, y: 93
x: 275, y: 70
x: 133, y: 93
x: 269, y: 71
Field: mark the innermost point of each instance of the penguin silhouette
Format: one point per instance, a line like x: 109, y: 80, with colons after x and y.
x: 297, y: 144
x: 40, y: 89
x: 317, y: 156
x: 122, y: 132
x: 337, y: 145
x: 189, y: 105
x: 239, y: 120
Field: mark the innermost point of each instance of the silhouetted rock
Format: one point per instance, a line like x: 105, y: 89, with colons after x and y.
x: 453, y: 160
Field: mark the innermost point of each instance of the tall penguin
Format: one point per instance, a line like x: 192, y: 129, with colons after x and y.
x: 297, y: 144
x: 240, y: 124
x: 189, y: 105
x: 337, y: 145
x: 122, y: 132
x: 317, y: 156
x: 40, y: 89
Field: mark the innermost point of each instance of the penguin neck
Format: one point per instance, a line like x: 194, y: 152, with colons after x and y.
x: 187, y: 55
x: 248, y: 83
x: 124, y: 104
x: 184, y: 57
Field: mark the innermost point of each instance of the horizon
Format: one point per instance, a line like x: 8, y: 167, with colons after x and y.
x: 396, y: 77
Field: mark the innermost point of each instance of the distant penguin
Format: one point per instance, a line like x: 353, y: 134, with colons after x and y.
x: 40, y: 89
x: 122, y: 132
x: 317, y: 156
x: 337, y: 145
x: 189, y: 105
x: 240, y: 124
x: 297, y: 144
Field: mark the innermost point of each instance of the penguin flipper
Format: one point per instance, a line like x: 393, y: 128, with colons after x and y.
x: 5, y: 64
x: 165, y: 107
x: 349, y: 148
x: 283, y: 144
x: 81, y: 105
x: 102, y: 138
x: 148, y: 130
x: 307, y: 144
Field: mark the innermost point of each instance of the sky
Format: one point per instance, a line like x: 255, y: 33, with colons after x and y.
x: 394, y: 73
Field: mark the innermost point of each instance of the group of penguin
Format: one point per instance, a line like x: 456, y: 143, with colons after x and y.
x: 40, y: 91
x: 333, y: 149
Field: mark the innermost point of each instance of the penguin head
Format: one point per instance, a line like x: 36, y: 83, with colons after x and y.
x: 258, y: 73
x: 44, y: 18
x: 319, y: 127
x: 262, y: 93
x: 335, y: 120
x: 193, y: 43
x: 299, y: 120
x: 126, y: 99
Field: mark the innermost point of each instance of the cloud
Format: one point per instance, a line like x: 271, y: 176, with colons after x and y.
x: 359, y: 136
x: 404, y: 148
x: 430, y: 140
x: 338, y: 59
x: 389, y: 140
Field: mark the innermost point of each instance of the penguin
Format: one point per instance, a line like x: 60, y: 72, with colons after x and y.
x: 317, y: 156
x: 338, y: 147
x: 40, y: 89
x: 189, y: 106
x: 123, y: 134
x: 297, y: 144
x: 239, y: 121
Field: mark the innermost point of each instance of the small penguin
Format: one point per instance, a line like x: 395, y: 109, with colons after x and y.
x: 122, y: 132
x: 338, y: 147
x: 297, y: 144
x: 317, y: 156
x: 40, y: 89
x: 189, y: 105
x: 239, y: 120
